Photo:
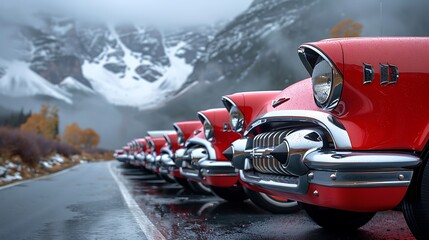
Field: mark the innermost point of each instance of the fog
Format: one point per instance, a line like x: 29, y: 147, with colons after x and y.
x: 150, y: 12
x: 116, y: 125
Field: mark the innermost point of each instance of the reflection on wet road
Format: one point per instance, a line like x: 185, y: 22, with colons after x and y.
x: 181, y: 215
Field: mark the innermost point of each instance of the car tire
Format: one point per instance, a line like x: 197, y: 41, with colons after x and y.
x: 335, y: 219
x: 272, y: 204
x: 183, y: 182
x: 199, y: 188
x: 167, y: 178
x: 415, y: 205
x: 232, y: 194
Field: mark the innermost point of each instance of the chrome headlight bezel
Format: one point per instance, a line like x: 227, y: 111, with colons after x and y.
x: 180, y: 135
x: 208, y: 130
x: 180, y: 139
x: 151, y: 145
x: 326, y: 97
x: 236, y: 119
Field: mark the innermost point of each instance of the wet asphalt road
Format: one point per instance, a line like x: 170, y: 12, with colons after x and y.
x: 86, y: 203
x: 82, y: 203
x: 182, y: 215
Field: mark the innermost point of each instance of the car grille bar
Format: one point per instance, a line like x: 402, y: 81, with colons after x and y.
x: 266, y: 142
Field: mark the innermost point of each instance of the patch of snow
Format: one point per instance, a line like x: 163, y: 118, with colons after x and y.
x: 3, y: 171
x: 9, y: 178
x: 126, y: 91
x: 45, y: 164
x: 70, y: 84
x: 20, y: 81
x: 11, y: 165
x: 57, y: 158
x: 83, y: 161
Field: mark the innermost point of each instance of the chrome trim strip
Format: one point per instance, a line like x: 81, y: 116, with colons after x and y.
x: 215, y: 168
x: 215, y: 164
x: 272, y: 182
x: 339, y: 135
x: 362, y: 179
x: 159, y: 133
x: 188, y: 173
x: 356, y: 161
x: 216, y: 173
x: 203, y: 142
x: 227, y: 99
x: 323, y: 55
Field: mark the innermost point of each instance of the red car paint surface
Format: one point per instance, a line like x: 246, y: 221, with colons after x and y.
x: 382, y: 117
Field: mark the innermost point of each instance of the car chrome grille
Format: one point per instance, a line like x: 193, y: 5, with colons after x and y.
x: 267, y: 163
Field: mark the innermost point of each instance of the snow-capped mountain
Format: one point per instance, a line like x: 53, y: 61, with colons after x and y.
x: 253, y: 44
x: 19, y: 80
x: 129, y: 65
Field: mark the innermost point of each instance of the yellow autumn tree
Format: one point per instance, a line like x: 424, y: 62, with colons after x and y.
x: 72, y: 134
x: 347, y: 28
x: 44, y: 123
x: 78, y: 137
x: 89, y: 138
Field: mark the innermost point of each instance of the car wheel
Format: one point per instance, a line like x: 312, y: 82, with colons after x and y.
x: 415, y: 205
x: 167, y: 178
x: 183, y: 182
x: 199, y: 188
x: 232, y: 194
x: 271, y: 203
x: 335, y: 219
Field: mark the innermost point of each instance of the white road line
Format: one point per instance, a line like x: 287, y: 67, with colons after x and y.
x: 39, y: 178
x: 145, y: 224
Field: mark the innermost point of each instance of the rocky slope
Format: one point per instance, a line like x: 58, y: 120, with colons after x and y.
x: 127, y: 64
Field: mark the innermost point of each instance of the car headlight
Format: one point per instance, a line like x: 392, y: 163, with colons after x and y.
x: 208, y: 130
x: 151, y: 145
x: 180, y: 138
x: 236, y: 119
x: 327, y: 85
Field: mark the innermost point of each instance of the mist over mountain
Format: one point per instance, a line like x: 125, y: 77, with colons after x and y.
x: 124, y: 79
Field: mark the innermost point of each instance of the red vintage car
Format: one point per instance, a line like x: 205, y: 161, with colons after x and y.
x: 167, y: 156
x: 127, y: 155
x: 184, y: 130
x: 140, y: 152
x: 350, y: 141
x: 156, y: 141
x: 134, y: 151
x: 242, y: 108
x: 207, y: 164
x: 183, y: 161
x: 119, y: 155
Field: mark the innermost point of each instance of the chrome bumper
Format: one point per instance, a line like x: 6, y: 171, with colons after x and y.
x: 167, y: 164
x: 339, y: 169
x: 187, y: 160
x: 213, y: 168
x: 121, y: 157
x: 305, y: 157
x: 140, y: 157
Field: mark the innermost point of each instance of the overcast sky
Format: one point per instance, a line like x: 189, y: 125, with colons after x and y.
x: 160, y: 12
